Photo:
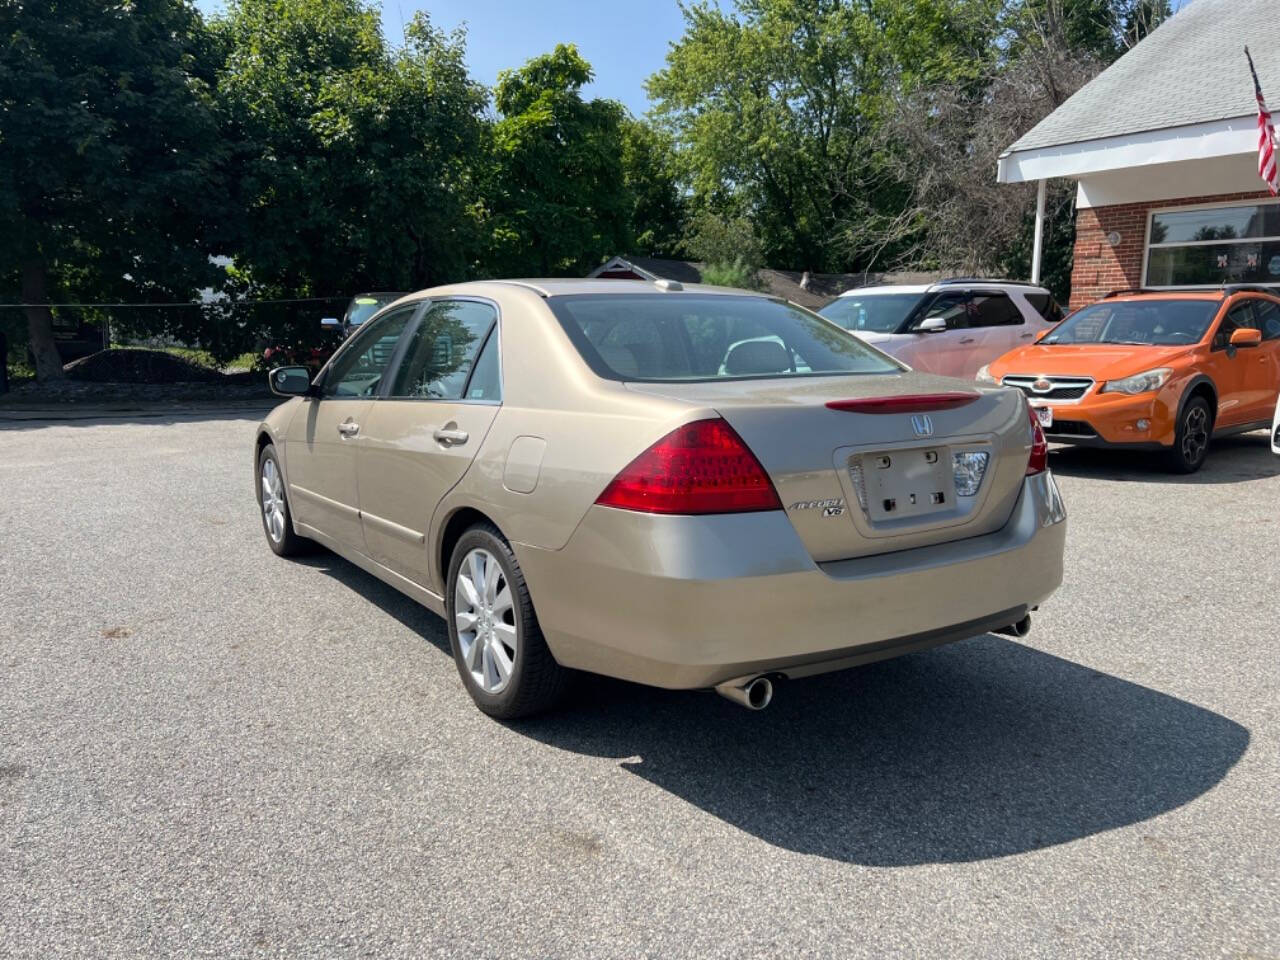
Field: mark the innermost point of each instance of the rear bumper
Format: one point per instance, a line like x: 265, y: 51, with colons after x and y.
x: 688, y: 602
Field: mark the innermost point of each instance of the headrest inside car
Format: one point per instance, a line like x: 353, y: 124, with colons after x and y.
x: 757, y: 356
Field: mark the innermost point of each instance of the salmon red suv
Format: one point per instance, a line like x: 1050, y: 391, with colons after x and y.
x: 1164, y: 371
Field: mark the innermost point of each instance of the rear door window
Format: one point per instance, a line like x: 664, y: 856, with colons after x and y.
x: 486, y: 373
x: 993, y: 310
x: 1267, y: 313
x: 1045, y: 305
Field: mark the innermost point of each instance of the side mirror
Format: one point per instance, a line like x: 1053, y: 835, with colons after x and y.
x: 290, y: 381
x: 1246, y: 337
x: 932, y: 325
x: 330, y: 323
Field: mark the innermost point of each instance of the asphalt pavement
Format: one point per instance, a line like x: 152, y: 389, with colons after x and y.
x: 207, y: 751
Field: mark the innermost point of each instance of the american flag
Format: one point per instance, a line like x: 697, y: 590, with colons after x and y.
x: 1266, y: 137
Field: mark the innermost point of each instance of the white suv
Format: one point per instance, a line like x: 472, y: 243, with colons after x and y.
x: 1275, y: 430
x: 954, y: 327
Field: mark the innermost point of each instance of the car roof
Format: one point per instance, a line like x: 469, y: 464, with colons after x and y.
x: 1158, y: 295
x: 888, y: 288
x: 961, y: 284
x: 569, y: 287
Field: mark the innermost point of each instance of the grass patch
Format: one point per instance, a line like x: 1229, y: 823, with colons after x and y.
x: 203, y: 358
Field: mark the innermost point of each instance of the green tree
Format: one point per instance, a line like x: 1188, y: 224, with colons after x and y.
x: 356, y: 162
x: 110, y: 159
x: 776, y: 104
x: 715, y: 239
x: 649, y: 176
x: 557, y: 200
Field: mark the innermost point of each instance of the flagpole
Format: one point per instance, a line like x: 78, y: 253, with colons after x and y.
x: 1257, y: 87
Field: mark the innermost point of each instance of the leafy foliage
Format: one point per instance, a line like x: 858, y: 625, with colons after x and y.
x: 658, y: 209
x: 136, y: 141
x: 355, y: 162
x: 111, y: 174
x: 775, y: 107
x: 733, y: 273
x: 712, y: 238
x: 556, y: 208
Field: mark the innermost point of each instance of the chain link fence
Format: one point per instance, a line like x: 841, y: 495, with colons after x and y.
x: 215, y: 341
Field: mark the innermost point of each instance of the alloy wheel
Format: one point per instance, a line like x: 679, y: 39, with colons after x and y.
x: 1195, y: 434
x: 484, y: 615
x: 273, y: 500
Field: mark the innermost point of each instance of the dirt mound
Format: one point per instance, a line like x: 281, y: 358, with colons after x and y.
x: 139, y: 366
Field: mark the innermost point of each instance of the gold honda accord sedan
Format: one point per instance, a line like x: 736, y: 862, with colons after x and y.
x: 688, y: 487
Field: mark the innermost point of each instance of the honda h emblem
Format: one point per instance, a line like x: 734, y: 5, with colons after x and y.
x: 922, y: 425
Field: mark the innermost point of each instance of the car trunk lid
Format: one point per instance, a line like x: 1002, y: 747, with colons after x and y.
x: 866, y: 464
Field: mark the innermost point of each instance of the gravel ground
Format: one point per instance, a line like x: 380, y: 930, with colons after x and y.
x: 209, y: 751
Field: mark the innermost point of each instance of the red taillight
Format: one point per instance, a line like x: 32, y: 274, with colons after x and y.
x: 908, y: 403
x: 702, y: 467
x: 1039, y: 461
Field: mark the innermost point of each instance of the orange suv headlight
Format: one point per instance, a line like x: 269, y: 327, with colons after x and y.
x: 1139, y: 382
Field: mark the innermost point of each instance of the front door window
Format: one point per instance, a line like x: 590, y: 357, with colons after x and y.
x: 357, y: 371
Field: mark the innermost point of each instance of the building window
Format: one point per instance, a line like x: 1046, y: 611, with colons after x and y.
x: 1210, y: 246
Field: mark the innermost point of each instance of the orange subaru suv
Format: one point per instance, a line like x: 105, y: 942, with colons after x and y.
x: 1161, y: 371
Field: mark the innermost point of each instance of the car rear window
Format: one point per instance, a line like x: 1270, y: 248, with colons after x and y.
x: 666, y: 337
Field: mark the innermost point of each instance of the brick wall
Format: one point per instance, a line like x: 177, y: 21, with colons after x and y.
x: 1100, y: 267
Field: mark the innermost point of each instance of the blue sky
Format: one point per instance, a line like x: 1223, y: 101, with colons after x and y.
x: 624, y: 43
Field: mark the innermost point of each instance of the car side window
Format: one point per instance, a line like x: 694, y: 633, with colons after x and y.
x: 358, y: 370
x: 1238, y: 317
x: 486, y: 374
x: 1045, y: 305
x: 442, y: 349
x: 993, y: 310
x: 951, y: 308
x: 1267, y: 313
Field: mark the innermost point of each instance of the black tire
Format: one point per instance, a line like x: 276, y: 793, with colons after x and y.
x: 1191, y: 440
x: 535, y: 681
x: 288, y: 543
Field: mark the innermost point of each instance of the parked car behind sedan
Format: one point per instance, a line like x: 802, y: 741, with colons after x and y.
x: 1160, y: 371
x: 951, y: 328
x: 681, y: 487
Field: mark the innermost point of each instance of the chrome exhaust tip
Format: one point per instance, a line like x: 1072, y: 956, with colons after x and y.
x: 1019, y: 629
x: 754, y: 693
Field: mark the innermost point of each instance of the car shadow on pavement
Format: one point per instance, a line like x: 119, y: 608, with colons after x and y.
x: 408, y: 611
x: 979, y: 749
x: 982, y: 749
x: 1231, y: 460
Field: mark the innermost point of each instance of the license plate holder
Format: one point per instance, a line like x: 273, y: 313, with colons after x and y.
x: 1045, y: 416
x: 907, y: 484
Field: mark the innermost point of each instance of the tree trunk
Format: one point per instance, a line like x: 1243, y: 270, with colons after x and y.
x: 40, y: 322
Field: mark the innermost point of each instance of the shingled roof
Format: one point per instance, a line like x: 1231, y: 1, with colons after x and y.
x: 1191, y: 69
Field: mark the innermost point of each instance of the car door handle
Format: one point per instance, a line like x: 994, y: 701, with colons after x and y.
x: 967, y: 340
x: 348, y: 428
x: 1025, y: 336
x: 450, y: 438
